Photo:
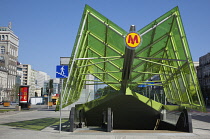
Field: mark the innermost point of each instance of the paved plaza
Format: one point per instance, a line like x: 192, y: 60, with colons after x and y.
x: 201, y: 127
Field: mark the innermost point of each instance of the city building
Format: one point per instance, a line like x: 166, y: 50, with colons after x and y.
x: 56, y: 83
x: 9, y: 44
x: 203, y: 73
x: 196, y: 64
x: 29, y: 78
x: 19, y: 75
x: 40, y: 78
x: 3, y: 83
x: 51, y: 90
x: 52, y: 86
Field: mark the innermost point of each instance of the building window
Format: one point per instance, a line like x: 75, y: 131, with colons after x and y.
x: 2, y: 58
x: 2, y: 50
x: 2, y: 37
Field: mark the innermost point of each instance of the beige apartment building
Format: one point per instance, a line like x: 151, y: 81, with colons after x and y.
x: 9, y: 44
x: 35, y: 79
x: 28, y: 78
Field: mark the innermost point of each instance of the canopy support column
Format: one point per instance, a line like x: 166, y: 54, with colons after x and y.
x: 127, y: 65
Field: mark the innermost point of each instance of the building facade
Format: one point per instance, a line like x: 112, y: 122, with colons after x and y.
x: 28, y: 78
x: 35, y: 79
x: 203, y: 73
x: 9, y: 44
x: 40, y: 78
x: 51, y: 86
x: 3, y: 83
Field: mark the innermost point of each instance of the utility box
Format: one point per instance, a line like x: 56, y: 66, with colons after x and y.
x: 18, y: 108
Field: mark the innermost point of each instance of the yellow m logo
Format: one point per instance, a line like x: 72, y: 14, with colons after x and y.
x: 133, y: 40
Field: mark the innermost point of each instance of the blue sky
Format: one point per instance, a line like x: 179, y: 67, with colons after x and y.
x: 47, y: 28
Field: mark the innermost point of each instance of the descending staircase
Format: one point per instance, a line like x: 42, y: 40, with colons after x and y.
x: 128, y: 113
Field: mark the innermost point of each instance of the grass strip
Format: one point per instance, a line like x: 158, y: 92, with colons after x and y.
x: 36, y: 124
x: 6, y: 110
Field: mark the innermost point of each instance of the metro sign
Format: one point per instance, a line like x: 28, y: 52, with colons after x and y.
x: 133, y: 40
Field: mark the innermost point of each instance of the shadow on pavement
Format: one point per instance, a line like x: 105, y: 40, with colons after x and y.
x: 204, y: 118
x: 202, y: 129
x: 64, y: 124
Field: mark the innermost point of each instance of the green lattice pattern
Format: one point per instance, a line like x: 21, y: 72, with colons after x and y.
x: 99, y: 50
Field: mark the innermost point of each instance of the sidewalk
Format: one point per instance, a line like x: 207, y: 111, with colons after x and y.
x: 201, y: 128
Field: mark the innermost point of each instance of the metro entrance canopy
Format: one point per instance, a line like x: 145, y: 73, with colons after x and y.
x: 100, y: 47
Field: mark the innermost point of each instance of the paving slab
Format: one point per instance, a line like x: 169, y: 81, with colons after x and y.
x: 201, y: 128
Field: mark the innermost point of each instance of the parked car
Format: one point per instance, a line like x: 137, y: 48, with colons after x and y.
x: 14, y: 103
x: 1, y: 103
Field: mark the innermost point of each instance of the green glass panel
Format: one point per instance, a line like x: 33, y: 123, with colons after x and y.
x: 100, y: 47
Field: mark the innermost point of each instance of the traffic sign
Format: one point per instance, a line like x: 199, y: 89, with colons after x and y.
x: 146, y: 84
x: 133, y: 40
x: 62, y: 71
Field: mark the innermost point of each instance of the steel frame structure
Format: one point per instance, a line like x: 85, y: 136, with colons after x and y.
x: 99, y: 50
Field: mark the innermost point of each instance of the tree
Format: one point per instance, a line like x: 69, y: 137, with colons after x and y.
x: 51, y: 86
x: 104, y: 91
x: 14, y: 92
